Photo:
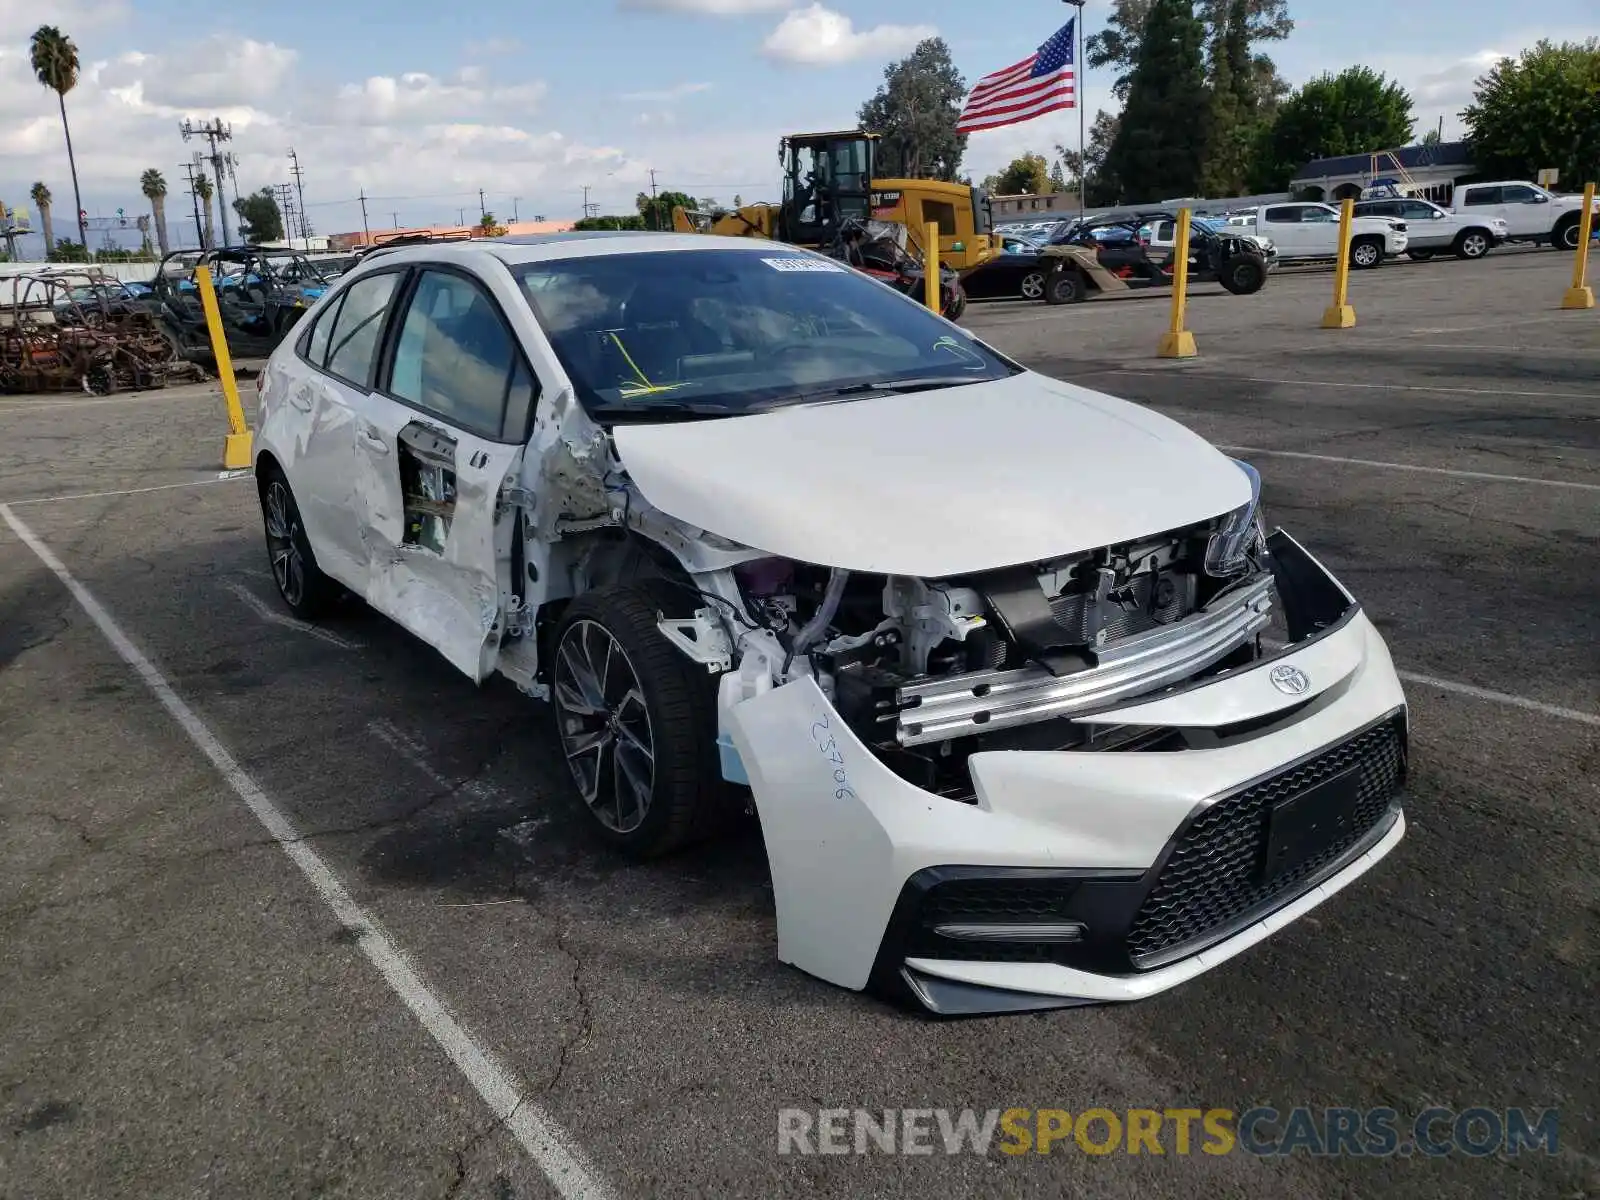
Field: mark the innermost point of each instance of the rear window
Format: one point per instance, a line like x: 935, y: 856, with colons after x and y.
x: 736, y: 330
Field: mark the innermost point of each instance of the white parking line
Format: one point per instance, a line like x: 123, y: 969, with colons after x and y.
x: 1374, y: 387
x: 273, y: 617
x: 226, y: 477
x: 1478, y: 693
x: 550, y: 1147
x: 1394, y: 466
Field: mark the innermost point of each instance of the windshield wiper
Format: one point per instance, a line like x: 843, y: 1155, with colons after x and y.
x: 925, y: 383
x: 661, y: 407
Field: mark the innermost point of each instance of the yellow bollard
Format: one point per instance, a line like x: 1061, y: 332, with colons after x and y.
x: 1339, y: 314
x: 236, y: 450
x: 931, y: 288
x: 1178, y: 342
x: 1579, y: 295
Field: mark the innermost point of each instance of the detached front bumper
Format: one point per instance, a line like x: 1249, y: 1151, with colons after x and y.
x: 1089, y: 876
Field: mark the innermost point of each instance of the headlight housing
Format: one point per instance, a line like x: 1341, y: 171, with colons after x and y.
x: 1228, y: 551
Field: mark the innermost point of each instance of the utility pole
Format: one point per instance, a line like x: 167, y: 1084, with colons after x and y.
x: 515, y: 200
x: 286, y: 208
x: 194, y: 197
x: 214, y: 131
x: 300, y: 188
x: 483, y: 209
x: 365, y: 232
x: 396, y: 218
x: 589, y: 210
x: 655, y: 218
x: 461, y: 216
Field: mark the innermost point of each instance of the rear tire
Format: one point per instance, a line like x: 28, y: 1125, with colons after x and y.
x: 956, y: 305
x: 1243, y: 275
x: 306, y: 591
x: 1366, y: 253
x: 636, y: 721
x: 1419, y: 255
x: 1065, y: 287
x: 1473, y: 243
x: 1032, y: 285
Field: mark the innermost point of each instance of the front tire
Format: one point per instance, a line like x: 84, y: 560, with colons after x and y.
x: 636, y: 721
x: 1473, y: 243
x: 1565, y: 234
x: 1243, y: 275
x: 306, y: 591
x: 1366, y: 253
x: 1032, y: 285
x: 1419, y: 255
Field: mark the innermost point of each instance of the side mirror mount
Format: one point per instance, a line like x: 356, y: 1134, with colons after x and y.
x: 1540, y: 200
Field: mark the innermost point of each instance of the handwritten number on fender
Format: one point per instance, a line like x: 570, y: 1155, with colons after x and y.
x: 829, y: 746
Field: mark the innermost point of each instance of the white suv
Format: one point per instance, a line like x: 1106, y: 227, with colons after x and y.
x: 986, y: 647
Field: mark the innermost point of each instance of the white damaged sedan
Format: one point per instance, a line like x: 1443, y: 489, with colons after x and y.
x: 1033, y: 709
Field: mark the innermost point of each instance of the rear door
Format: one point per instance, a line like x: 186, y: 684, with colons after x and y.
x: 441, y: 442
x: 1526, y: 211
x: 1482, y: 201
x: 1282, y: 223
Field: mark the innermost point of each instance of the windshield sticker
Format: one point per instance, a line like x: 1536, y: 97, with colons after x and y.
x: 794, y: 262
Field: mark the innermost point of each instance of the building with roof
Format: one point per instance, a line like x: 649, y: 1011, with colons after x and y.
x: 1427, y: 171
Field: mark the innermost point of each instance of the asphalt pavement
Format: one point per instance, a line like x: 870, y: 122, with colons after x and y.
x: 444, y: 986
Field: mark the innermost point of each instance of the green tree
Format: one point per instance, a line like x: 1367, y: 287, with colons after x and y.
x: 202, y: 189
x: 1235, y: 103
x: 1117, y: 45
x: 1028, y: 175
x: 41, y: 200
x: 1541, y: 109
x: 154, y: 186
x: 1354, y: 112
x: 69, y: 251
x: 1431, y: 138
x: 914, y: 113
x: 1102, y: 132
x: 656, y: 212
x: 55, y: 64
x: 260, y: 219
x: 1158, y: 148
x: 627, y: 222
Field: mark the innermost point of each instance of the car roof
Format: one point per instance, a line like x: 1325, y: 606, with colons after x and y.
x: 544, y: 247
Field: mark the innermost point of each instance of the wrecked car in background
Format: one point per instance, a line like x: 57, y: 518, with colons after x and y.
x: 989, y: 650
x: 261, y: 295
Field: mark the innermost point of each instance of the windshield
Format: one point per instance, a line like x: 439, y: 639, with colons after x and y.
x: 730, y: 331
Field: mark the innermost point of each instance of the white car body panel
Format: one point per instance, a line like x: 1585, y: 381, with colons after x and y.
x: 1532, y: 218
x: 839, y: 860
x: 891, y: 483
x: 1320, y: 239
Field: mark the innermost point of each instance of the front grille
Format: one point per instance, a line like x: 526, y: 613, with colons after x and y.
x: 1213, y: 876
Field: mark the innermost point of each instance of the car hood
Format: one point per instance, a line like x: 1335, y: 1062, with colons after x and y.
x: 934, y: 484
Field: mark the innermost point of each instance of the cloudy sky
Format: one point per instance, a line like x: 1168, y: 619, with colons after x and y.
x: 422, y: 104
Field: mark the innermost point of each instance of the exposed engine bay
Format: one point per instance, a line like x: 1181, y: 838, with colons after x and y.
x: 928, y: 672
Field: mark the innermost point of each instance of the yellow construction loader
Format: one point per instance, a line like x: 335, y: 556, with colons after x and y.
x: 828, y: 179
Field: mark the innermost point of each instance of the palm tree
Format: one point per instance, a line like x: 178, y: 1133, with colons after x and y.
x: 202, y: 188
x: 41, y: 201
x: 55, y: 64
x: 154, y: 186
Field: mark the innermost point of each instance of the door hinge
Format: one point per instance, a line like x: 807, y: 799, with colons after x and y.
x: 517, y: 497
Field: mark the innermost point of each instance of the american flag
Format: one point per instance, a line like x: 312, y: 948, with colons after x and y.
x: 1040, y: 83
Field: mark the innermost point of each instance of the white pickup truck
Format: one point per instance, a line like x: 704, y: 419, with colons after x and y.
x: 1304, y: 230
x: 1433, y: 230
x: 1531, y: 213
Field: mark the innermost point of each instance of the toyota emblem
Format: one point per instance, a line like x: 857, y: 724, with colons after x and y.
x: 1290, y: 680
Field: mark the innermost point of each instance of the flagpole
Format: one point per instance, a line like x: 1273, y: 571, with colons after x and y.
x: 1078, y: 68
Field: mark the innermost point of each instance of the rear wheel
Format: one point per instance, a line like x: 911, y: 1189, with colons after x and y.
x: 955, y: 303
x: 304, y: 588
x: 1243, y: 275
x: 1473, y: 243
x: 1065, y: 286
x: 1565, y: 234
x: 1366, y: 253
x: 637, y: 722
x: 1419, y: 255
x: 1032, y: 285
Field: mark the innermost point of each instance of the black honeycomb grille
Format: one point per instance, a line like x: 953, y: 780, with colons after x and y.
x: 1214, y: 875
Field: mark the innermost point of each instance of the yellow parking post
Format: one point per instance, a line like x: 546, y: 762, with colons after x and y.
x: 1580, y: 295
x: 930, y: 266
x: 1339, y: 314
x: 236, y: 450
x: 1178, y: 342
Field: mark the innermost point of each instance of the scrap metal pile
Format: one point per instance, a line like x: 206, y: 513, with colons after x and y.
x: 81, y: 330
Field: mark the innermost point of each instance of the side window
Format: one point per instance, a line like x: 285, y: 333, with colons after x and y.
x: 1415, y: 210
x: 1284, y: 214
x: 314, y: 346
x: 353, y: 343
x: 1483, y: 195
x: 945, y: 215
x: 456, y: 357
x: 1517, y: 193
x: 1165, y: 232
x: 1312, y: 215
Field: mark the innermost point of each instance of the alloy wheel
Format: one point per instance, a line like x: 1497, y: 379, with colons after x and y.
x: 283, y: 543
x: 1032, y: 286
x: 604, y: 726
x: 1474, y: 245
x: 1365, y: 255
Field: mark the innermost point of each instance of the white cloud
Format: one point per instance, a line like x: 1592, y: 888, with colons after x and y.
x: 72, y: 17
x: 216, y: 72
x: 819, y: 36
x: 490, y: 47
x: 419, y: 97
x: 665, y: 95
x: 713, y: 8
